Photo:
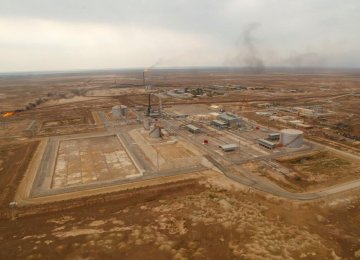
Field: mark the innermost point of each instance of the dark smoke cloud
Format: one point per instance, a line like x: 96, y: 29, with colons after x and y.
x: 252, y: 58
x: 247, y: 53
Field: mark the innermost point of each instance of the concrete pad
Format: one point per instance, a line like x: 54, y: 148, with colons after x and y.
x: 88, y: 160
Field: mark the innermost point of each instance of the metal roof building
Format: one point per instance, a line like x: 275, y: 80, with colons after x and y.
x: 228, y: 147
x: 228, y: 117
x: 266, y: 144
x: 193, y: 129
x: 218, y: 123
x: 274, y: 136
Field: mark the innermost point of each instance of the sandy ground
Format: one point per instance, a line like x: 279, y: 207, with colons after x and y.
x: 65, y: 101
x: 170, y: 154
x: 114, y: 91
x: 174, y: 151
x: 14, y: 160
x: 210, y: 219
x: 315, y: 170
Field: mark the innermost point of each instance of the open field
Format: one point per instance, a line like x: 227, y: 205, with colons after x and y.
x: 313, y: 170
x: 14, y: 160
x: 114, y: 92
x: 206, y: 219
x: 57, y: 123
x: 309, y: 171
x: 176, y: 151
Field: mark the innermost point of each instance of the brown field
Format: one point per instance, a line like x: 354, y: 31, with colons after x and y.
x: 309, y: 171
x: 314, y: 170
x: 210, y: 219
x: 14, y: 159
x: 56, y: 123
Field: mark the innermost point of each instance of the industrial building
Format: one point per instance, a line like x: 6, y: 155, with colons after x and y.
x: 225, y: 120
x: 193, y: 129
x: 229, y: 118
x: 154, y: 114
x: 274, y: 136
x: 180, y: 116
x: 218, y: 124
x: 267, y: 144
x: 228, y: 147
x: 179, y: 91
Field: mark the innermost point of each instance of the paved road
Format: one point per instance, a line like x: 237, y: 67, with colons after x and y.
x: 253, y: 181
x: 44, y: 173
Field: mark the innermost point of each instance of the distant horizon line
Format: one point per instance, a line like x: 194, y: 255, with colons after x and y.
x: 244, y: 68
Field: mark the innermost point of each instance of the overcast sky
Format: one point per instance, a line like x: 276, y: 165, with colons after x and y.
x: 88, y: 34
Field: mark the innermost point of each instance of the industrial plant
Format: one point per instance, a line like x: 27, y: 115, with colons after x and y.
x: 142, y: 137
x: 180, y: 130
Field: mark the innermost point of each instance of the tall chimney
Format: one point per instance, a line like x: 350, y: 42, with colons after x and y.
x: 149, y: 106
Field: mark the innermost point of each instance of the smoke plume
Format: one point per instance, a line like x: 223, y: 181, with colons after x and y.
x: 157, y: 63
x: 146, y: 70
x: 247, y: 53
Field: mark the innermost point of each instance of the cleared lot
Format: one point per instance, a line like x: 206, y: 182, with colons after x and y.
x: 88, y: 160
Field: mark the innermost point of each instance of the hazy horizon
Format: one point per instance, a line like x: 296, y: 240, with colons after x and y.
x: 298, y: 70
x: 39, y: 35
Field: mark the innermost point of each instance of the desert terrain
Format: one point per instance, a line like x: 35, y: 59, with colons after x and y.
x: 193, y: 164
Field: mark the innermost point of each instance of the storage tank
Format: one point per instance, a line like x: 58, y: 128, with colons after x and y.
x: 124, y: 110
x: 291, y: 138
x: 146, y: 124
x: 155, y: 132
x: 116, y: 111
